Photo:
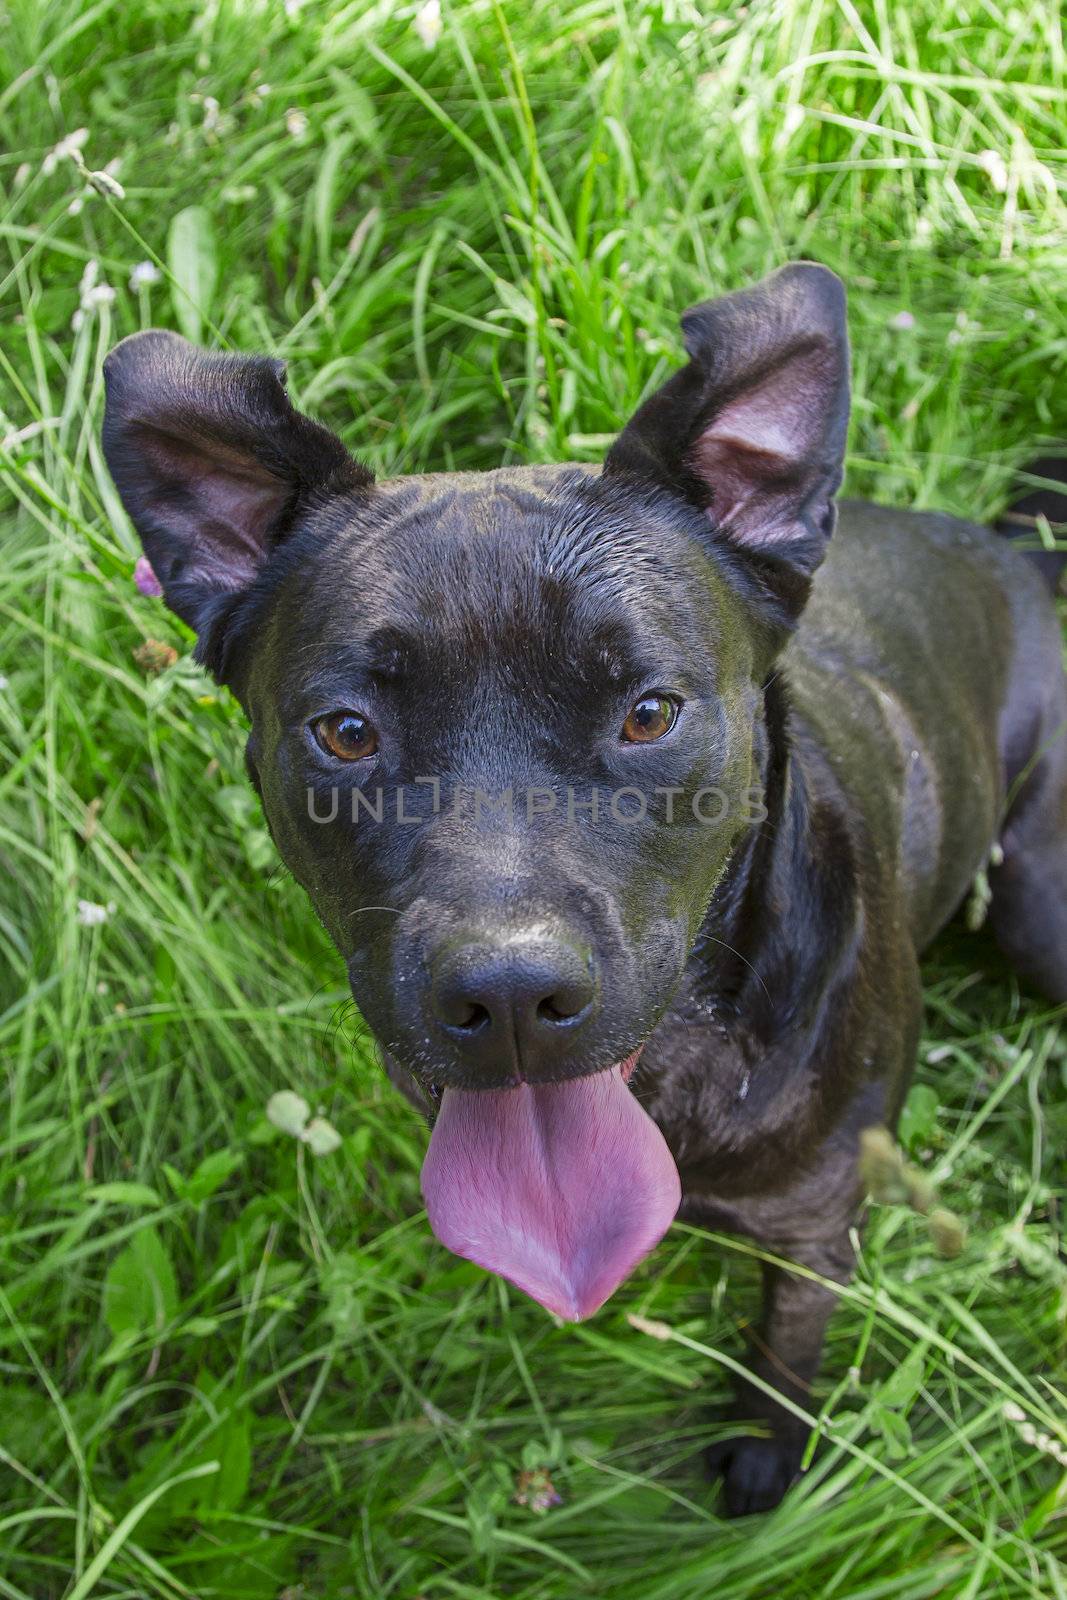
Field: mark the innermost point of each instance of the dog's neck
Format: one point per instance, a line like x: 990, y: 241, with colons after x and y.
x: 759, y: 956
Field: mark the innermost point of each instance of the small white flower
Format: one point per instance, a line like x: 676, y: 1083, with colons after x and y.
x: 649, y: 1325
x: 92, y: 294
x: 67, y: 149
x: 902, y: 321
x: 143, y: 275
x: 106, y: 183
x: 212, y: 114
x: 321, y: 1137
x: 992, y: 164
x: 90, y: 914
x: 288, y: 1111
x: 296, y: 122
x: 428, y: 24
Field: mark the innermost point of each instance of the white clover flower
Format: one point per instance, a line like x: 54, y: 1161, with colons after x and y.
x: 296, y: 123
x: 428, y: 24
x: 143, y: 275
x: 67, y: 149
x: 321, y: 1137
x: 289, y: 1113
x: 90, y: 914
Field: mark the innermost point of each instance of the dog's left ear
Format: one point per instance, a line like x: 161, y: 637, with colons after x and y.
x: 753, y: 429
x: 214, y: 467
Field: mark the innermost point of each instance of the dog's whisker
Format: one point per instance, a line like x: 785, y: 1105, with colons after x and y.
x: 740, y: 957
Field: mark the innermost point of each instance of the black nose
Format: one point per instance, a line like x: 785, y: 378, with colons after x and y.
x: 515, y: 1007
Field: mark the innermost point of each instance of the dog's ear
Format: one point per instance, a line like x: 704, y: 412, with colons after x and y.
x: 213, y: 465
x: 753, y: 429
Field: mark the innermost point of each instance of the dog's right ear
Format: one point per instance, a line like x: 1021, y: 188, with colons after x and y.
x: 214, y: 466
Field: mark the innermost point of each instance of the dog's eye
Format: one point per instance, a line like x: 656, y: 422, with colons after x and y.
x: 347, y: 735
x: 652, y: 717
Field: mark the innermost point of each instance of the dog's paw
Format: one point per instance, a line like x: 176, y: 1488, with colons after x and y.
x: 755, y: 1472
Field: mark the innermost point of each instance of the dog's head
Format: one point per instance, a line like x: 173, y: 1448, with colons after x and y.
x: 503, y: 727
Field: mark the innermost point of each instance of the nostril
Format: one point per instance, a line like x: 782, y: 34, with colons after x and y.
x: 460, y: 1011
x: 472, y: 1017
x: 565, y: 1004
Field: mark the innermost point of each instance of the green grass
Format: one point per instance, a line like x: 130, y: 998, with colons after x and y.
x: 228, y: 1368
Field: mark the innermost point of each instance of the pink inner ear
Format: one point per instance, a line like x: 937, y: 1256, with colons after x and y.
x: 753, y: 452
x: 226, y: 505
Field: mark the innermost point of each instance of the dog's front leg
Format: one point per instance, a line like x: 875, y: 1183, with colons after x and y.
x: 757, y: 1468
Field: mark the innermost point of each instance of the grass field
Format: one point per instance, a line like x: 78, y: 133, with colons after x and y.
x: 231, y: 1368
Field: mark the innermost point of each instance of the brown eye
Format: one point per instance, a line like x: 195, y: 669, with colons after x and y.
x: 652, y: 717
x: 346, y: 735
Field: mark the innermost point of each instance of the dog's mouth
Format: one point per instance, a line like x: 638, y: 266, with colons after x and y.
x: 562, y: 1188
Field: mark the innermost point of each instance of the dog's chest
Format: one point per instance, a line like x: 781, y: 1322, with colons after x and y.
x: 730, y: 1109
x: 748, y: 1127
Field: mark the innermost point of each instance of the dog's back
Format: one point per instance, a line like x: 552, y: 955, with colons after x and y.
x: 936, y: 641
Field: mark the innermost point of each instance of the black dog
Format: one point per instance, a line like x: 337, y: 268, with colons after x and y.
x: 564, y: 779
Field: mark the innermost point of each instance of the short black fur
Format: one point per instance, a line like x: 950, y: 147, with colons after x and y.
x: 873, y: 724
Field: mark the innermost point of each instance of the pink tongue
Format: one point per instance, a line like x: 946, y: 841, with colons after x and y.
x: 560, y: 1187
